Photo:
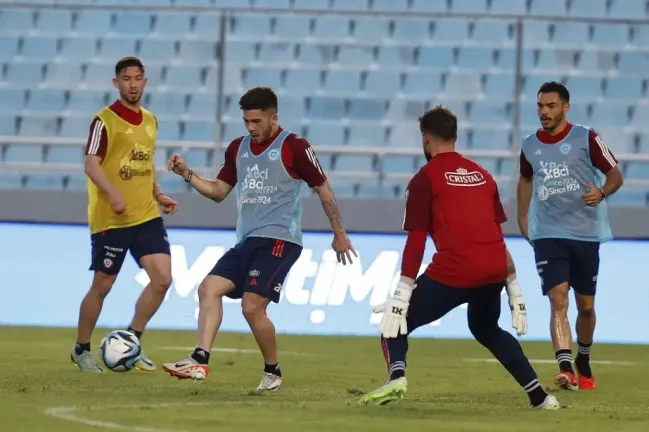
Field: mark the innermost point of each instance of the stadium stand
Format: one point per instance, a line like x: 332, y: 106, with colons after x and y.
x: 352, y: 84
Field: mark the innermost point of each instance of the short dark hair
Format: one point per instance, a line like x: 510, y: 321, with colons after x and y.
x: 555, y: 87
x: 127, y: 62
x: 258, y: 98
x: 440, y: 122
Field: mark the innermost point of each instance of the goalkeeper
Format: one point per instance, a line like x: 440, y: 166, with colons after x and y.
x: 456, y: 201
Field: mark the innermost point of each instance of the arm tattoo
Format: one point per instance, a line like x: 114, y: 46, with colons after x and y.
x: 330, y: 206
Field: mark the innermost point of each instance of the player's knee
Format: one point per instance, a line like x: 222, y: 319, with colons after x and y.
x: 481, y: 331
x: 586, y: 311
x: 213, y: 287
x: 252, y: 308
x: 558, y: 301
x: 161, y: 283
x: 102, y: 284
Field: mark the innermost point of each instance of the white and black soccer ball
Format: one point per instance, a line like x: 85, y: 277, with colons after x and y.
x: 120, y: 350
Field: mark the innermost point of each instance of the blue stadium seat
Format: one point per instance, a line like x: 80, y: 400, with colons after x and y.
x: 182, y: 3
x: 11, y: 180
x: 490, y: 139
x: 383, y: 83
x: 490, y: 113
x: 46, y: 100
x: 315, y: 55
x: 8, y: 48
x: 584, y: 88
x: 637, y: 171
x: 463, y: 85
x: 7, y: 125
x: 451, y: 30
x: 77, y: 181
x: 422, y: 84
x: 172, y: 183
x: 579, y: 113
x: 369, y: 30
x: 113, y: 49
x: 611, y: 34
x: 548, y: 7
x: 343, y: 188
x: 311, y: 4
x: 326, y: 134
x: 93, y: 22
x: 349, y: 55
x: 176, y: 23
x: 54, y: 21
x: 277, y: 52
x: 39, y: 48
x: 262, y: 77
x: 367, y: 135
x: 624, y: 87
x: 23, y: 153
x: 390, y: 5
x: 44, y: 181
x: 617, y: 141
x: 369, y: 109
x: 64, y: 154
x: 629, y: 197
x: 25, y: 74
x: 332, y: 28
x: 11, y: 100
x: 327, y: 108
x: 232, y: 3
x: 208, y: 26
x: 198, y: 51
x: 395, y: 164
x: 588, y: 9
x: 38, y: 126
x: 303, y: 80
x: 535, y: 33
x: 532, y: 83
x: 598, y: 61
x: 250, y: 27
x: 342, y: 81
x: 293, y: 26
x: 167, y: 103
x: 16, y: 21
x: 634, y: 62
x: 184, y: 76
x: 392, y: 188
x: 199, y: 131
x: 157, y: 49
x: 77, y: 50
x: 499, y: 87
x: 436, y: 57
x: 469, y: 6
x: 133, y: 23
x: 99, y: 76
x: 197, y: 157
x: 168, y: 130
x: 571, y: 33
x: 404, y: 109
x: 76, y: 126
x: 390, y: 55
x: 413, y: 31
x: 405, y: 134
x: 202, y: 105
x: 557, y: 59
x: 640, y: 116
x: 350, y: 5
x: 276, y: 4
x: 429, y: 6
x: 475, y: 58
x: 502, y: 7
x: 496, y: 32
x: 367, y: 188
x: 240, y: 52
x: 610, y: 115
x: 628, y: 9
x: 355, y: 163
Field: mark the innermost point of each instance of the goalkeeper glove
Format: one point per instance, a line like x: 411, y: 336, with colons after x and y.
x: 395, y: 311
x: 517, y: 306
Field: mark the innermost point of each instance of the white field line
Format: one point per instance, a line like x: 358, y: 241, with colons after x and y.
x: 547, y: 361
x: 226, y: 350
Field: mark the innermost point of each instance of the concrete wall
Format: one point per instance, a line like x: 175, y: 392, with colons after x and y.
x: 195, y: 211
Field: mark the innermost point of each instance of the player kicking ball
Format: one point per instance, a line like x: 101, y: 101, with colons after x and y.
x: 268, y: 167
x: 456, y: 201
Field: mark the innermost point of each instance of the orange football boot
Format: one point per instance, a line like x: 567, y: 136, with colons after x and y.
x: 566, y: 381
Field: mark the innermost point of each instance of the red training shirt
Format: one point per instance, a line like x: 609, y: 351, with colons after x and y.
x: 600, y: 156
x: 98, y: 138
x: 455, y: 200
x: 298, y: 157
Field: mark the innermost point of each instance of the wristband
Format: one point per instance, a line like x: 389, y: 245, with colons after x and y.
x: 603, y: 194
x: 188, y: 179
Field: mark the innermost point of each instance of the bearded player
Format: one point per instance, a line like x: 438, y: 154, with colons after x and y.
x: 123, y: 214
x: 562, y: 212
x: 268, y: 167
x: 456, y: 202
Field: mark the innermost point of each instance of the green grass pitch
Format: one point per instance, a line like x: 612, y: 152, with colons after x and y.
x: 41, y: 390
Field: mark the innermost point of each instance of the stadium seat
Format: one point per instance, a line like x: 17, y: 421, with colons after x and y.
x: 367, y: 135
x: 599, y: 61
x: 44, y: 181
x: 469, y: 6
x: 412, y: 31
x: 53, y: 21
x: 23, y: 153
x: 8, y: 48
x: 547, y: 7
x: 383, y: 83
x: 167, y: 103
x: 93, y: 22
x: 451, y: 30
x: 367, y: 109
x: 430, y: 6
x: 475, y: 58
x: 76, y: 126
x: 158, y: 50
x: 184, y: 77
x: 490, y: 139
x: 275, y: 4
x: 199, y: 131
x: 11, y: 100
x: 11, y: 180
x: 490, y: 113
x: 262, y: 77
x: 584, y: 88
x: 25, y: 74
x: 390, y: 5
x: 405, y: 134
x: 16, y: 21
x: 277, y: 52
x: 77, y: 50
x: 370, y: 30
x: 327, y: 108
x: 315, y: 55
x: 394, y: 164
x: 311, y: 4
x: 496, y: 32
x: 303, y: 80
x: 499, y: 87
x: 405, y: 109
x: 133, y: 23
x: 293, y: 26
x: 628, y: 9
x: 350, y: 5
x: 342, y: 81
x: 624, y: 87
x: 46, y: 100
x: 7, y: 124
x: 628, y: 198
x: 176, y: 23
x: 202, y: 105
x: 610, y: 115
x: 99, y: 76
x: 249, y: 27
x: 60, y: 154
x: 389, y: 55
x: 113, y: 49
x: 207, y: 26
x: 354, y: 163
x: 326, y: 134
x: 169, y: 130
x: 436, y: 57
x: 349, y: 55
x: 502, y: 7
x: 587, y: 9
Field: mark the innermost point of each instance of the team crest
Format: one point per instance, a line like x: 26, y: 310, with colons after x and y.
x: 149, y: 131
x: 273, y: 154
x: 565, y: 148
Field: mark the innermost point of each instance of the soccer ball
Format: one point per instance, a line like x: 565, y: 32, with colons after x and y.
x: 120, y: 350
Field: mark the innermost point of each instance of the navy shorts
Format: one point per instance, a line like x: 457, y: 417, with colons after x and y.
x: 431, y: 300
x: 258, y: 265
x: 109, y: 248
x: 563, y: 260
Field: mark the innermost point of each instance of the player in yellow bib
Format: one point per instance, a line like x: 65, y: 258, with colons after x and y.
x: 123, y: 212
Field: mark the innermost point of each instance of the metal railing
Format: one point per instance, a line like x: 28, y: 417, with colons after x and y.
x: 221, y: 15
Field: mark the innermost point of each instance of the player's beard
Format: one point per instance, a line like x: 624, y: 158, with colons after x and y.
x: 132, y: 99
